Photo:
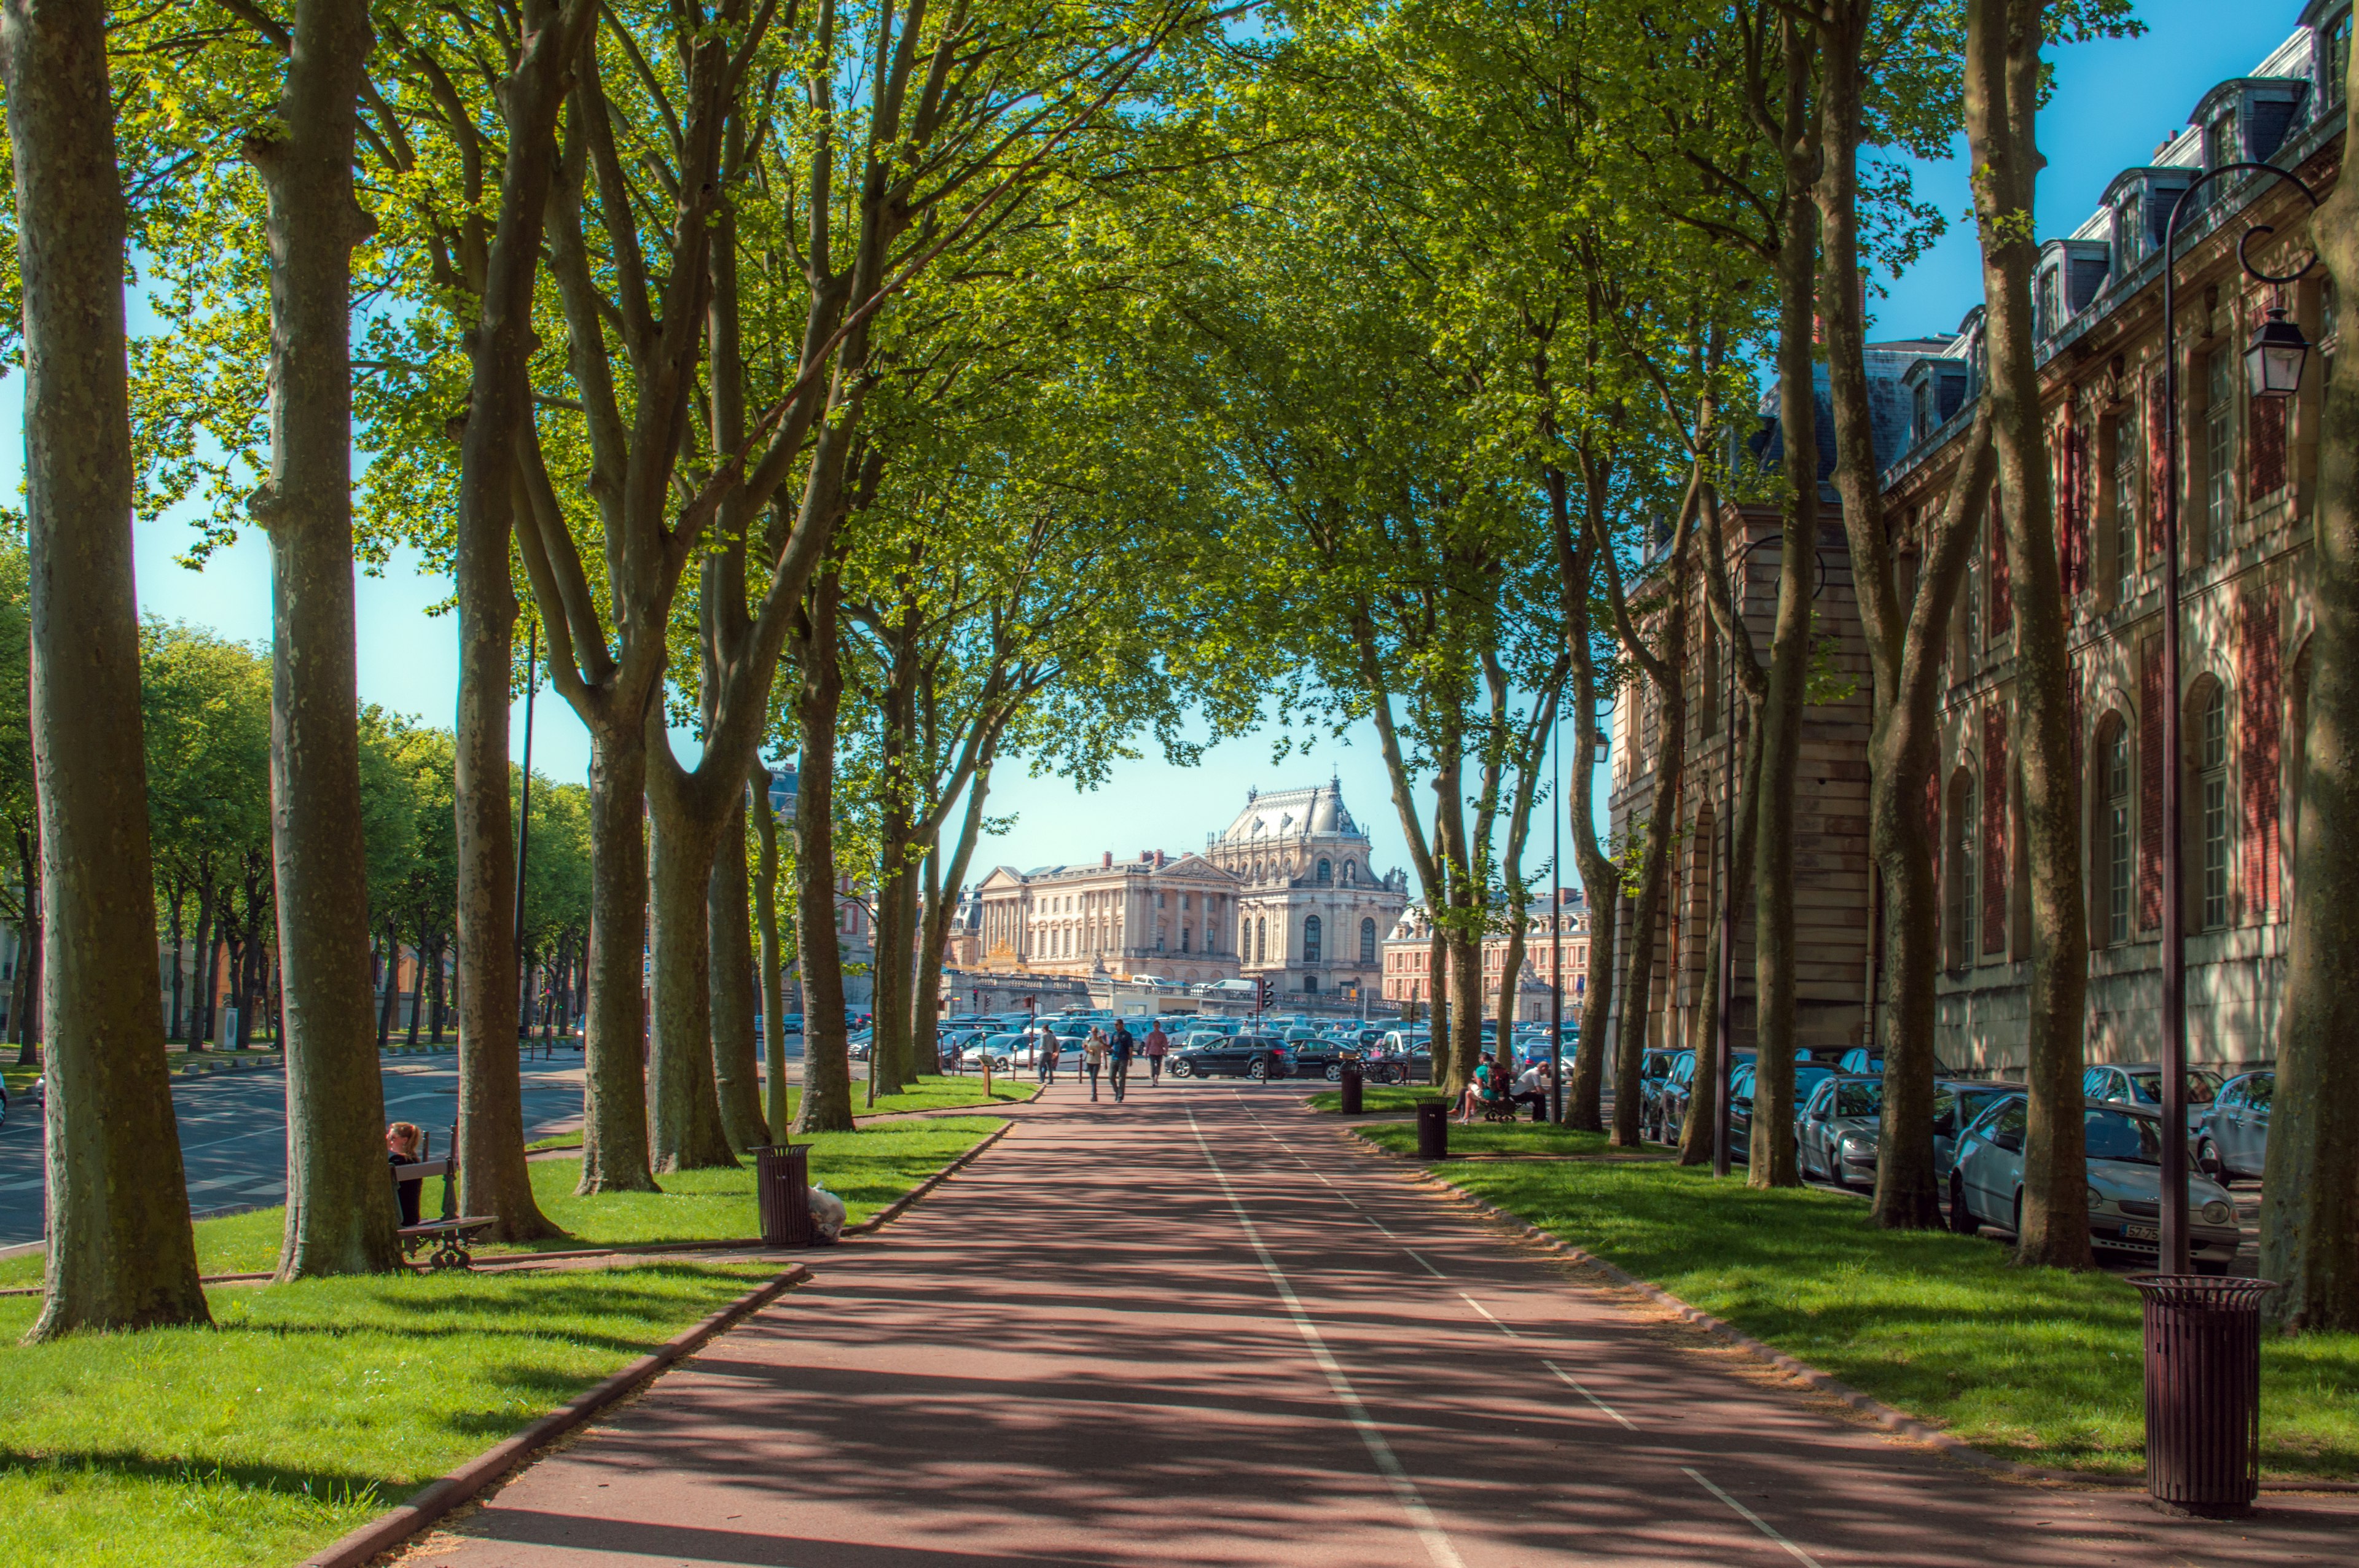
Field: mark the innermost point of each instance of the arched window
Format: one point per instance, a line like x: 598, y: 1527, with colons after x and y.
x: 1368, y: 938
x: 1326, y: 873
x: 2211, y: 801
x: 1261, y: 941
x: 1310, y: 984
x: 1961, y: 895
x: 2117, y: 843
x: 1310, y: 929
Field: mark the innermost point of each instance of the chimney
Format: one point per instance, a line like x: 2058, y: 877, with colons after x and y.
x: 1158, y: 860
x: 1108, y: 861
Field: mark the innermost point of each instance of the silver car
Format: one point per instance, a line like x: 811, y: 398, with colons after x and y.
x: 1838, y: 1129
x: 2124, y: 1144
x: 2232, y: 1139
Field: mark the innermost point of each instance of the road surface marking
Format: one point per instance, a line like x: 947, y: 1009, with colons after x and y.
x: 1759, y: 1523
x: 1478, y: 1306
x: 1412, y: 1502
x: 1571, y: 1382
x: 1421, y: 1263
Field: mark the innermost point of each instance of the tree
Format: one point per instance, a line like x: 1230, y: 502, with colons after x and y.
x: 2309, y: 1208
x: 122, y: 1253
x: 2003, y: 72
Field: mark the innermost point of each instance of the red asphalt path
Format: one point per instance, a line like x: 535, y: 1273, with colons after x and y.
x: 1198, y: 1328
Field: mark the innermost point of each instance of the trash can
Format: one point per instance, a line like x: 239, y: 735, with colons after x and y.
x: 1350, y: 1079
x: 1433, y: 1129
x: 782, y: 1178
x: 1540, y: 1110
x: 2202, y: 1391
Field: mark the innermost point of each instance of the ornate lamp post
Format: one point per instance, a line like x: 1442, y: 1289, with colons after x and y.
x: 2273, y: 366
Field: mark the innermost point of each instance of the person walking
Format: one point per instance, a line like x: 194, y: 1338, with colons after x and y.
x: 1044, y: 1056
x: 1118, y: 1053
x: 1093, y: 1055
x: 1158, y: 1042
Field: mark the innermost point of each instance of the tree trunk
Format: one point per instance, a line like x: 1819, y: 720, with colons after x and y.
x: 1700, y: 1124
x: 2309, y: 1203
x: 766, y: 921
x: 201, y: 962
x: 392, y: 985
x: 942, y: 898
x: 827, y: 1067
x: 175, y: 909
x: 417, y: 982
x: 615, y: 1093
x: 684, y: 1102
x: 736, y: 1075
x: 1772, y: 1156
x: 1638, y: 986
x: 26, y: 1019
x: 2002, y: 90
x: 340, y: 1211
x: 121, y: 1253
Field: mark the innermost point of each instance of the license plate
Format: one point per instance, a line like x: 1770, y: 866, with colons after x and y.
x: 2141, y: 1233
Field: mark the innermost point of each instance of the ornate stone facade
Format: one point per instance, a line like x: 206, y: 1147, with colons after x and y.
x: 1312, y: 912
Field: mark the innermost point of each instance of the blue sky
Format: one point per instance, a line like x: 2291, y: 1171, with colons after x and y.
x: 2115, y: 102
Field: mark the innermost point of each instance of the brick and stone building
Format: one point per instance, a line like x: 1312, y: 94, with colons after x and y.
x: 2248, y: 488
x: 1408, y: 953
x: 1170, y: 916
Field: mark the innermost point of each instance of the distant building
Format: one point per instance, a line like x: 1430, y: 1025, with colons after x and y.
x: 1312, y: 910
x: 1152, y: 915
x: 1408, y: 962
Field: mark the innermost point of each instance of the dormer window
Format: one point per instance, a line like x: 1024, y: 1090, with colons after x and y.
x: 2048, y: 305
x: 1923, y: 425
x: 2335, y: 61
x: 2220, y: 141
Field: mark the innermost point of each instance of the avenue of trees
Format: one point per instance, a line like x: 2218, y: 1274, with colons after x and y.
x: 907, y: 393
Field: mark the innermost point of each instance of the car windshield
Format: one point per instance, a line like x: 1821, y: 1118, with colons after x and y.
x: 1808, y: 1077
x: 2203, y: 1087
x: 2115, y: 1135
x: 1859, y: 1099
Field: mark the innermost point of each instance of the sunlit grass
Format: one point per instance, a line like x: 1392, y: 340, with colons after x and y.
x: 2033, y: 1364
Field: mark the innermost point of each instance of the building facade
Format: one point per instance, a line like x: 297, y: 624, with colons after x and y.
x: 1552, y: 948
x: 2249, y: 479
x: 1313, y: 911
x: 1158, y: 914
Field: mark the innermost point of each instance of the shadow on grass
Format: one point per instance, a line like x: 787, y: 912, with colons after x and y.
x: 340, y: 1487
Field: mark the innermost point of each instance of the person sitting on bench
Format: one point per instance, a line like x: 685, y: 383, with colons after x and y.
x: 404, y: 1144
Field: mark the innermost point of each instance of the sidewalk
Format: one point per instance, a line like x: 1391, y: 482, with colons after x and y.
x: 1194, y: 1329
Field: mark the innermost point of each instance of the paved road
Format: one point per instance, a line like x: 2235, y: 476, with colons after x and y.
x: 233, y: 1130
x: 1196, y: 1329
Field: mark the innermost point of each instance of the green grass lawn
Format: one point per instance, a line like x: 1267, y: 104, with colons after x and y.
x: 931, y: 1092
x: 306, y: 1409
x: 867, y: 1170
x: 2032, y: 1364
x: 1488, y: 1138
x: 1381, y: 1099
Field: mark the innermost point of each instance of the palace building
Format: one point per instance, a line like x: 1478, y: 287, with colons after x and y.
x: 1313, y: 911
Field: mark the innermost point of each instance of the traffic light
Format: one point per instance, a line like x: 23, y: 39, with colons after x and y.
x: 1266, y: 997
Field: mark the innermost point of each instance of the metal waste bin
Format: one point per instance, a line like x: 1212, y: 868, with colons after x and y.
x: 782, y: 1178
x: 1433, y: 1129
x: 2202, y: 1391
x: 1540, y: 1110
x: 1350, y: 1079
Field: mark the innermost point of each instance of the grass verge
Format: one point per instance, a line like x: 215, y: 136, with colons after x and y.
x: 933, y: 1092
x: 306, y: 1409
x: 2030, y: 1364
x: 1380, y: 1098
x: 1489, y: 1138
x: 867, y: 1170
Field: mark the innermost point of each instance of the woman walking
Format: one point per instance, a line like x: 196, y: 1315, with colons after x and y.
x: 1093, y: 1055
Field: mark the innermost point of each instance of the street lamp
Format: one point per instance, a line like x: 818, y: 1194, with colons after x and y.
x: 2273, y: 366
x: 1556, y: 907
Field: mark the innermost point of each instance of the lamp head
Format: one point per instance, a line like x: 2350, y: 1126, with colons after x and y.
x: 2274, y: 359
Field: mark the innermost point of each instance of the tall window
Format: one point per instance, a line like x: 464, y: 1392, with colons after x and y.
x: 1311, y: 939
x: 1261, y: 941
x: 1326, y: 872
x: 2211, y: 791
x: 2125, y: 508
x: 1962, y: 891
x: 1185, y: 932
x: 2219, y: 452
x: 1367, y: 941
x: 2338, y: 60
x: 2119, y: 845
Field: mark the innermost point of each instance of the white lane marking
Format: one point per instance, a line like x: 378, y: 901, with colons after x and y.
x: 1412, y: 1502
x: 1478, y: 1306
x: 1759, y: 1523
x: 1419, y: 1257
x: 1573, y: 1383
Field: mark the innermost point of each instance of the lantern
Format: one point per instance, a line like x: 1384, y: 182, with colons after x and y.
x: 2273, y: 360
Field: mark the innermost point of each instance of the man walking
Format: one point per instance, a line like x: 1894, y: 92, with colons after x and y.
x: 1158, y: 1042
x: 1118, y: 1053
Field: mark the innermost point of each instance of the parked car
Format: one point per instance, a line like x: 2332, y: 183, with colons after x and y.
x: 2124, y: 1144
x: 1957, y: 1106
x: 1849, y: 1151
x: 2142, y: 1086
x: 1670, y: 1106
x: 1808, y: 1075
x: 1320, y: 1057
x: 1654, y: 1071
x: 1005, y: 1051
x: 2232, y: 1138
x: 1257, y: 1056
x: 1837, y: 1131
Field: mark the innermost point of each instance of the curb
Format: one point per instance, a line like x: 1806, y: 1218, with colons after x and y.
x: 439, y: 1496
x: 894, y: 1210
x: 986, y: 1107
x: 1802, y: 1372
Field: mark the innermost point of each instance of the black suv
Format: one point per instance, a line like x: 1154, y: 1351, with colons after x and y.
x: 1257, y: 1056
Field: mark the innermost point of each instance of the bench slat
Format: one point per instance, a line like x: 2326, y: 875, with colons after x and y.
x: 422, y: 1170
x: 444, y: 1227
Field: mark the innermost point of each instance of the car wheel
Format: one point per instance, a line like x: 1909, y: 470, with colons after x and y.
x: 1259, y: 1071
x: 1961, y: 1218
x: 1182, y: 1070
x: 1334, y: 1072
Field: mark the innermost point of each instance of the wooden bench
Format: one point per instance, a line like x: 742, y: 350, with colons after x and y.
x: 450, y: 1235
